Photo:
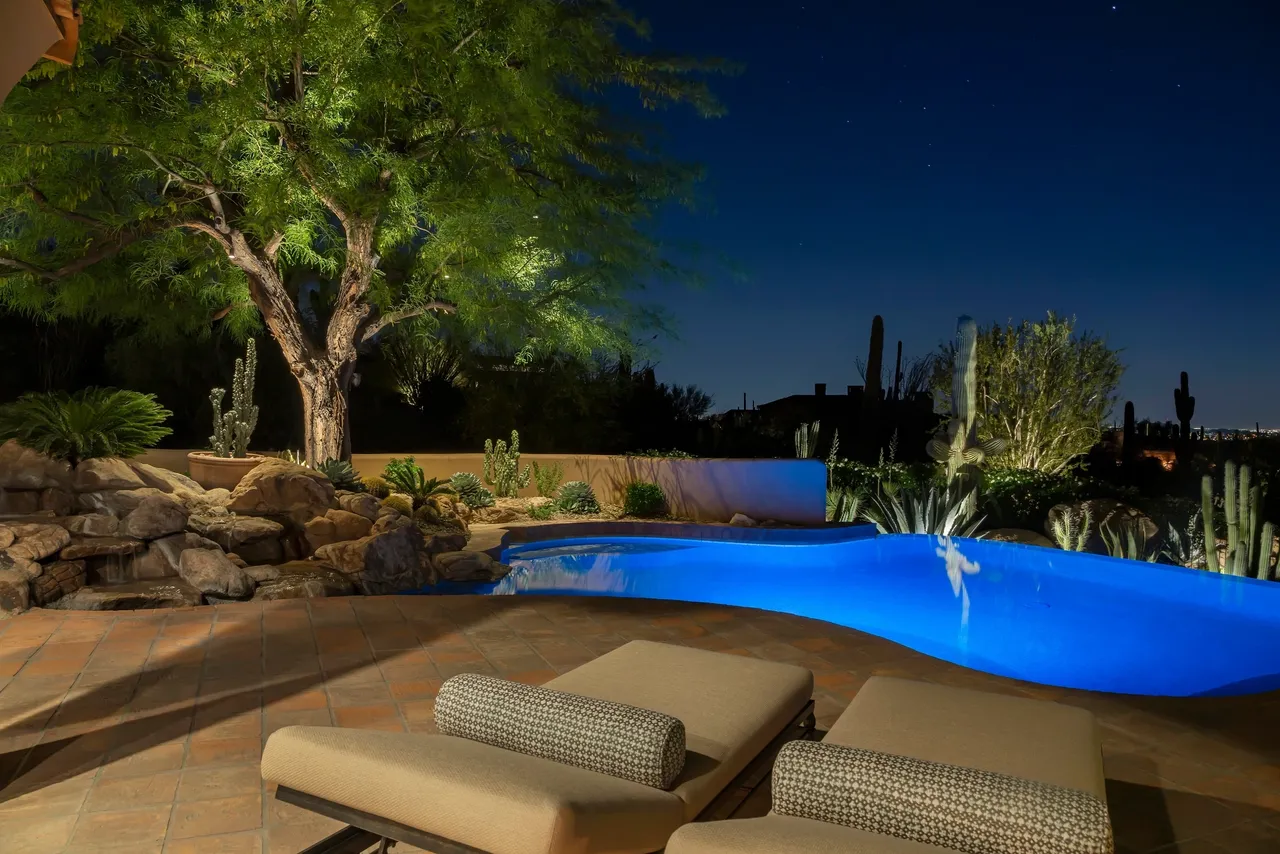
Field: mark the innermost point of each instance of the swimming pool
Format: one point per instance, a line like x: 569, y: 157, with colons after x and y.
x: 1042, y: 615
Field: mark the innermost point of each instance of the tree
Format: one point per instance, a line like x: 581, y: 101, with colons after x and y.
x: 330, y: 168
x: 1042, y: 387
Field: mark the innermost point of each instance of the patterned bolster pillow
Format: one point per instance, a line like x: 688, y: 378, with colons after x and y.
x: 964, y: 809
x: 612, y: 738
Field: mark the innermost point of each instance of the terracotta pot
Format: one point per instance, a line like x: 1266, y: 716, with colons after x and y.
x: 220, y: 472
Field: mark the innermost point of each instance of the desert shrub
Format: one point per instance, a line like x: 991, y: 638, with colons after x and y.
x: 470, y: 490
x: 578, y: 497
x: 547, y: 478
x: 376, y: 486
x: 653, y: 453
x: 94, y: 422
x: 883, y: 477
x: 947, y: 510
x: 542, y: 512
x: 1022, y: 498
x: 399, y: 502
x: 341, y: 475
x: 644, y: 500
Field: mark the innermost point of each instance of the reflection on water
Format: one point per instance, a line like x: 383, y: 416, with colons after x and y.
x: 958, y: 566
x: 548, y: 574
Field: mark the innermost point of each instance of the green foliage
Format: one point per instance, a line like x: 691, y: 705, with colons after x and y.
x: 644, y: 500
x: 378, y: 487
x: 1022, y: 498
x: 542, y: 512
x: 879, y: 479
x: 502, y: 467
x: 211, y: 159
x: 843, y: 505
x: 1249, y: 540
x: 94, y: 422
x: 578, y: 497
x: 1071, y: 528
x: 1044, y: 388
x: 547, y: 478
x: 407, y: 477
x: 653, y: 453
x: 470, y: 490
x: 1126, y: 540
x: 399, y: 502
x: 233, y: 429
x: 943, y: 510
x: 342, y: 475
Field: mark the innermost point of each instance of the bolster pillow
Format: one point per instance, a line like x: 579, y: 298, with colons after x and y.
x: 612, y: 738
x: 963, y: 809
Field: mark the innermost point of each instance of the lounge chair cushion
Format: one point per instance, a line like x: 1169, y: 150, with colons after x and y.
x: 635, y: 744
x: 783, y: 834
x: 1032, y: 739
x: 962, y: 809
x: 732, y: 706
x: 473, y: 793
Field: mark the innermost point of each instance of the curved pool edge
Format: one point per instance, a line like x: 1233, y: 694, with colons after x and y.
x: 496, y: 539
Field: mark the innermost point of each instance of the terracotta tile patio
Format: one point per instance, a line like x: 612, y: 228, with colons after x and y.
x: 141, y: 731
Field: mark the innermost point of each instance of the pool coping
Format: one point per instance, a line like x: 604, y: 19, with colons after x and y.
x: 494, y: 539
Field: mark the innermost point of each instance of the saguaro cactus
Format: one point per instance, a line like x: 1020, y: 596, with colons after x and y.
x: 807, y: 440
x: 957, y: 445
x: 872, y: 393
x: 232, y: 429
x: 1249, y: 543
x: 1130, y: 446
x: 1185, y: 407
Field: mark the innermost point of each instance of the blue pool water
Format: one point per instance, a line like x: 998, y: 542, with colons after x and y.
x: 1043, y: 615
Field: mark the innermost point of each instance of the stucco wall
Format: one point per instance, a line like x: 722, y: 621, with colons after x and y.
x: 791, y: 491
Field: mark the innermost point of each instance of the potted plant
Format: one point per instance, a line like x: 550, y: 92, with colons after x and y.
x: 229, y: 459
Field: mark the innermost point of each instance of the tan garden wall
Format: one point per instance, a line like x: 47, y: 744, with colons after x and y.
x: 792, y: 491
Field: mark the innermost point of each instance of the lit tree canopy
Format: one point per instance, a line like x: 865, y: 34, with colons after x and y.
x: 206, y: 160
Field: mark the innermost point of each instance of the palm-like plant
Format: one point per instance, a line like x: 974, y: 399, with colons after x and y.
x: 94, y: 422
x: 843, y: 505
x: 944, y: 511
x: 407, y: 477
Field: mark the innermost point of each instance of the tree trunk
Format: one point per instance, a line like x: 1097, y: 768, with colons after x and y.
x: 324, y: 411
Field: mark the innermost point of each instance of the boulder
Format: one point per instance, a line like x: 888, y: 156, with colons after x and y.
x: 237, y: 560
x: 234, y: 532
x: 742, y: 520
x: 280, y: 488
x: 260, y: 574
x: 468, y: 566
x: 438, y: 543
x: 92, y: 525
x: 58, y: 579
x: 82, y: 547
x: 1103, y: 511
x: 6, y: 537
x: 15, y: 597
x: 304, y: 579
x: 19, y: 502
x: 59, y: 501
x: 336, y: 526
x: 211, y: 572
x: 157, y: 516
x: 26, y: 568
x: 162, y: 556
x: 360, y: 503
x: 106, y: 473
x: 495, y: 515
x: 1018, y: 535
x: 167, y: 481
x: 134, y: 595
x: 390, y: 522
x: 391, y: 562
x: 117, y: 502
x: 21, y: 468
x: 36, y: 542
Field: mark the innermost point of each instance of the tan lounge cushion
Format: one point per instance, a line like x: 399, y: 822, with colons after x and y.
x: 781, y: 834
x: 635, y: 744
x: 473, y: 793
x: 964, y: 809
x: 1032, y: 739
x: 731, y: 706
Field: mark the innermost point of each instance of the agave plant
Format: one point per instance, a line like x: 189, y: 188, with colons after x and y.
x: 95, y: 422
x: 947, y: 511
x: 843, y: 505
x: 342, y: 475
x: 470, y: 490
x: 1126, y: 541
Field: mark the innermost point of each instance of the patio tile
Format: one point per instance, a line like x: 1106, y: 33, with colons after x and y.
x: 223, y: 751
x: 37, y: 834
x: 117, y: 793
x: 203, y: 784
x: 234, y: 843
x: 382, y: 716
x: 139, y: 829
x: 216, y: 816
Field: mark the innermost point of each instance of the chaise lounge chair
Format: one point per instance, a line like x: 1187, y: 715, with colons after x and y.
x: 934, y: 770
x: 451, y: 795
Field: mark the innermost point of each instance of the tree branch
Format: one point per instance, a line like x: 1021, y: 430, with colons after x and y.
x: 460, y: 45
x: 43, y: 201
x: 395, y: 317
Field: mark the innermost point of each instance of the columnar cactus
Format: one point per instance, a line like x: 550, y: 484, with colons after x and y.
x: 502, y: 467
x: 957, y: 445
x: 807, y: 440
x: 1249, y: 543
x: 232, y: 429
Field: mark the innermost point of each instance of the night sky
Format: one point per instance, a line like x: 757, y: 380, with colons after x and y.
x: 923, y: 160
